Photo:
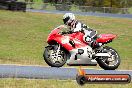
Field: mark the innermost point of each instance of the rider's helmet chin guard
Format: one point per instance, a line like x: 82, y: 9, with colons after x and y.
x: 68, y: 18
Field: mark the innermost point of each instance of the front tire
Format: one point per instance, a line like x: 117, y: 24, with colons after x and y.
x: 51, y: 59
x: 104, y: 62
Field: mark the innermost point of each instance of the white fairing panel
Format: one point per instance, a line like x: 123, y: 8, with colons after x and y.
x: 81, y: 58
x: 102, y: 54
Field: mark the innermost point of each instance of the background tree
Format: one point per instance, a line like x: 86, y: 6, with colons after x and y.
x: 96, y: 3
x: 126, y: 3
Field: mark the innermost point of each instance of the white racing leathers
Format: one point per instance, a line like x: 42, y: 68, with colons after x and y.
x: 89, y: 33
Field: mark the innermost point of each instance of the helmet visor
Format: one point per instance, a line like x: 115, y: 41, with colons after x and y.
x: 66, y: 20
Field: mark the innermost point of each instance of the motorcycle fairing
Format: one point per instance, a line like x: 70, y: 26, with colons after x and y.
x: 81, y: 59
x: 64, y: 40
x: 103, y: 38
x: 77, y: 38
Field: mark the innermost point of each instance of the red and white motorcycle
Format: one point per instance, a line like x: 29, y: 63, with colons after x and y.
x: 71, y: 49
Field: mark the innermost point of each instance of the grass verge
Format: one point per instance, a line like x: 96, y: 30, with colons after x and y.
x: 35, y: 83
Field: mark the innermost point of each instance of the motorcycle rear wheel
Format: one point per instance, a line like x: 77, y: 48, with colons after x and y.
x: 104, y: 61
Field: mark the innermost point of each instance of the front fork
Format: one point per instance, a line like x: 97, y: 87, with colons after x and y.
x: 58, y: 49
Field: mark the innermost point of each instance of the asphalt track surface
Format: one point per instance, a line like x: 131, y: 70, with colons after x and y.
x: 40, y: 72
x: 83, y: 13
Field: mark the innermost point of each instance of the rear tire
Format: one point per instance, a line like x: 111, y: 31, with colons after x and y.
x: 104, y: 65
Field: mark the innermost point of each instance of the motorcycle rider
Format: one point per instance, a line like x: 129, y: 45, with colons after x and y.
x: 76, y: 26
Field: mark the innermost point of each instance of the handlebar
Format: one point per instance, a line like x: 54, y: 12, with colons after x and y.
x: 66, y: 32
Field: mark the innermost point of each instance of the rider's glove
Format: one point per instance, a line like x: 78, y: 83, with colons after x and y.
x: 63, y: 32
x: 68, y: 32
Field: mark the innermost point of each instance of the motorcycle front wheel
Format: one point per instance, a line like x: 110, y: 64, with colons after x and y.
x: 109, y: 63
x: 53, y: 57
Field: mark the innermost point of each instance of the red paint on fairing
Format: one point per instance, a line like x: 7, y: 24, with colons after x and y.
x: 105, y: 37
x: 76, y: 37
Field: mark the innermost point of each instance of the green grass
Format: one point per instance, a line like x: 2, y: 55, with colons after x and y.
x: 31, y: 83
x: 23, y: 36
